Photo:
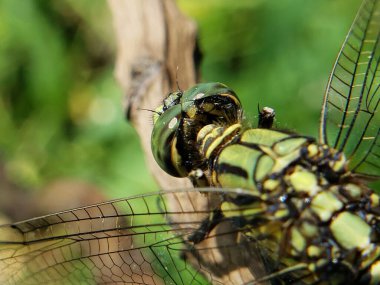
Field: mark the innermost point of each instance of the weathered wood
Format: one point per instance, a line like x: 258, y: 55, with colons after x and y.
x: 155, y: 45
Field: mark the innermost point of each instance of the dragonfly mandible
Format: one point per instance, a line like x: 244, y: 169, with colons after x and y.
x: 272, y: 206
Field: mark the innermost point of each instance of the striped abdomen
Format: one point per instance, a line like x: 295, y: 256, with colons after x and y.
x: 318, y: 222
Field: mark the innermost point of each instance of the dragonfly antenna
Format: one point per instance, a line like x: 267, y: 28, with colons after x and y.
x: 176, y: 79
x: 149, y: 110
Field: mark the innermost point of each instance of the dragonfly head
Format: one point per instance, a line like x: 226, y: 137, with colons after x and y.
x: 179, y: 119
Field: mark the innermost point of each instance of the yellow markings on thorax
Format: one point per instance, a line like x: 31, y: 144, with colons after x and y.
x: 206, y: 130
x: 351, y: 231
x: 325, y: 204
x: 337, y: 161
x: 312, y: 150
x: 280, y: 146
x: 284, y: 161
x: 287, y: 151
x: 271, y: 184
x: 339, y: 164
x: 232, y: 97
x: 207, y: 107
x: 192, y: 111
x: 297, y: 241
x: 313, y: 251
x: 303, y: 181
x: 289, y: 145
x: 232, y: 210
x: 375, y: 272
x: 263, y: 137
x: 353, y: 190
x: 217, y: 136
x: 370, y: 255
x: 375, y: 200
x: 308, y: 229
x: 264, y: 166
x: 281, y: 213
x: 176, y: 157
x: 239, y: 157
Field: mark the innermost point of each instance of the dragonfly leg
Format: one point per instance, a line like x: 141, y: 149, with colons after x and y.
x: 206, y: 226
x: 198, y: 178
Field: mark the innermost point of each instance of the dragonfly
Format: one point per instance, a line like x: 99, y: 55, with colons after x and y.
x: 269, y: 207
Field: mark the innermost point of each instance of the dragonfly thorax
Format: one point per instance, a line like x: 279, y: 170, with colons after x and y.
x: 304, y: 201
x: 303, y: 198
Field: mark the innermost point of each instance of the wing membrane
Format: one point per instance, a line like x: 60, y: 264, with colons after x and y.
x: 139, y: 240
x: 350, y: 118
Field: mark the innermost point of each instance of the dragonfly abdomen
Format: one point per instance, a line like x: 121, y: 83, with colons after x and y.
x: 315, y: 214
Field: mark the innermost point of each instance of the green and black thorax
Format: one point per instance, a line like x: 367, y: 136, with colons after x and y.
x: 304, y: 199
x: 202, y: 130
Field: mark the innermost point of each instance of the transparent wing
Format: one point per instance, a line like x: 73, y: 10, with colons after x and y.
x: 350, y: 118
x: 139, y: 240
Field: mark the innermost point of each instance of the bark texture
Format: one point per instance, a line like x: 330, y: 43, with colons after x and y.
x: 156, y: 46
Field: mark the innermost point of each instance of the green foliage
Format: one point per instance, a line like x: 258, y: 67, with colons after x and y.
x: 273, y: 53
x: 60, y: 111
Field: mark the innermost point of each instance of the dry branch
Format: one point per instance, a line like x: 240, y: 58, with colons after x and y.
x: 154, y: 43
x: 153, y: 39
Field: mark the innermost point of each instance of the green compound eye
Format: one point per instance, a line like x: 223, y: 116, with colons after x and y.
x: 178, y: 120
x: 212, y: 100
x: 164, y: 138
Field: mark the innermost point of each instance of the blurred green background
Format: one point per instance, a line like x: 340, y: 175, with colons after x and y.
x: 61, y: 120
